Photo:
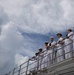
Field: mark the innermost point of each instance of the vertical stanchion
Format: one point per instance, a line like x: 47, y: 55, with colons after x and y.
x: 13, y: 71
x: 19, y: 70
x: 27, y: 67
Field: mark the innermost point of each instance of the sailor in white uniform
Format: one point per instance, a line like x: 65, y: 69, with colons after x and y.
x: 51, y: 52
x: 46, y: 57
x: 41, y: 54
x: 60, y: 56
x: 73, y: 41
x: 71, y: 37
x: 68, y: 44
x: 35, y: 62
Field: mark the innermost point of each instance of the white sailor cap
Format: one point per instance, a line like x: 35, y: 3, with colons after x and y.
x: 52, y: 37
x: 59, y: 34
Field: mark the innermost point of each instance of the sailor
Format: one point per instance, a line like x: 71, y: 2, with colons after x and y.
x: 41, y: 58
x: 60, y: 56
x: 68, y: 44
x: 46, y: 57
x: 70, y: 33
x: 71, y: 36
x: 37, y: 60
x: 52, y: 44
x: 34, y: 61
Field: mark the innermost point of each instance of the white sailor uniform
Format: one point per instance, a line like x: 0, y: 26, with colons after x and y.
x: 73, y: 42
x: 48, y: 56
x: 51, y: 52
x: 71, y: 38
x: 34, y: 63
x: 69, y: 47
x: 37, y: 62
x: 45, y: 58
x: 60, y: 55
x: 41, y: 55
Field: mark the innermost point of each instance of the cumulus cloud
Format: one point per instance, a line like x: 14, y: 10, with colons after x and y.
x: 67, y: 7
x: 10, y: 37
x: 4, y: 18
x: 11, y: 43
x: 40, y: 16
x: 46, y: 16
x: 19, y: 59
x: 32, y: 17
x: 11, y: 40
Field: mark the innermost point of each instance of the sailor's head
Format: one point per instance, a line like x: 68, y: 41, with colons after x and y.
x: 69, y: 30
x: 40, y: 49
x: 51, y: 38
x: 59, y: 35
x: 46, y: 45
x: 36, y: 54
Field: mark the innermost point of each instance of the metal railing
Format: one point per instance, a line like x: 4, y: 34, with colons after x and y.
x: 42, y: 61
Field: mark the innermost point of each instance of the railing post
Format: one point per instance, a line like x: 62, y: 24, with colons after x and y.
x: 13, y: 71
x: 27, y: 67
x: 19, y: 70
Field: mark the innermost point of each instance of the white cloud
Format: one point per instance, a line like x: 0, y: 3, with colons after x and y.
x: 12, y: 42
x: 45, y: 16
x: 67, y: 7
x: 3, y: 16
x: 11, y: 39
x: 30, y: 16
x: 40, y: 16
x: 19, y: 59
x: 12, y: 7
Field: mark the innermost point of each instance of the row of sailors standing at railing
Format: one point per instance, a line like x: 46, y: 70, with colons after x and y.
x: 59, y: 50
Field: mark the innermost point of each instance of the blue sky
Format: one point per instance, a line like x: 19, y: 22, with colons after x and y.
x: 26, y: 24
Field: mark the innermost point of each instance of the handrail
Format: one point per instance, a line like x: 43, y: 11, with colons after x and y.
x: 26, y: 67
